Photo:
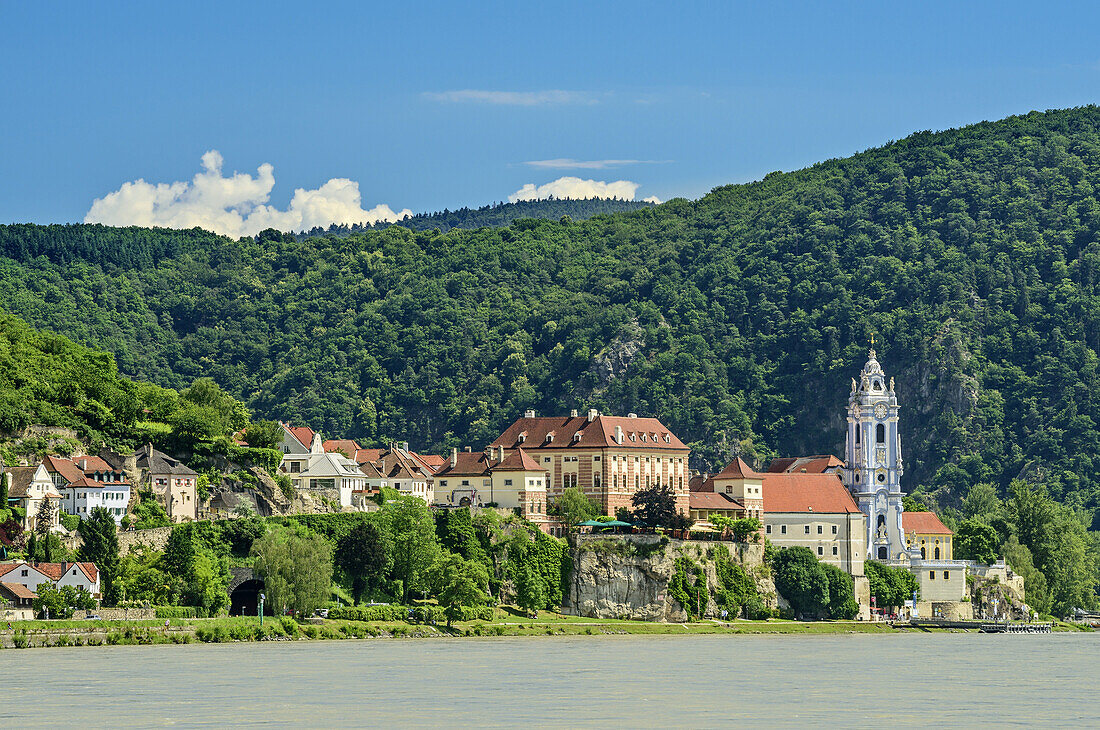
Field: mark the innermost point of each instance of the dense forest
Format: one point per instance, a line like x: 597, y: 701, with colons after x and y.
x: 494, y: 215
x: 972, y: 254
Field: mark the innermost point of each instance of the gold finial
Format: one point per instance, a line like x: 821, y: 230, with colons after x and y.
x: 872, y: 339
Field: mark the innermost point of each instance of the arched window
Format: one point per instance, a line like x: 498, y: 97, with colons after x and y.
x: 882, y: 553
x: 937, y: 553
x: 882, y: 520
x: 858, y: 432
x: 880, y: 434
x: 922, y: 555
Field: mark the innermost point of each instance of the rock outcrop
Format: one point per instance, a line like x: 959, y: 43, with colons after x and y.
x: 628, y: 576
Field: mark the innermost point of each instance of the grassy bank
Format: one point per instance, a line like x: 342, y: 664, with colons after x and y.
x: 26, y: 634
x: 506, y: 622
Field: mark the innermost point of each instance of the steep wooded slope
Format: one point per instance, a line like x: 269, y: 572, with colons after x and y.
x: 974, y: 254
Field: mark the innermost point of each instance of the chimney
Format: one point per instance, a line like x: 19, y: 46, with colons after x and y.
x: 631, y: 415
x: 592, y: 413
x: 454, y: 458
x: 529, y: 414
x: 468, y: 450
x: 618, y: 434
x: 500, y: 449
x: 404, y: 445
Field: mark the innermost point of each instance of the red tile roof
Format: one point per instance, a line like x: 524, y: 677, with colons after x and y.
x: 713, y: 500
x: 467, y: 464
x: 737, y: 469
x: 923, y: 523
x: 435, y: 461
x: 92, y: 464
x: 304, y: 434
x: 18, y: 590
x: 348, y: 446
x: 362, y: 456
x: 53, y: 571
x: 66, y: 468
x: 649, y: 433
x: 518, y: 461
x: 811, y: 464
x: 819, y: 493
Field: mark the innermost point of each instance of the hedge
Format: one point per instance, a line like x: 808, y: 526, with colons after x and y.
x: 180, y: 612
x: 418, y: 614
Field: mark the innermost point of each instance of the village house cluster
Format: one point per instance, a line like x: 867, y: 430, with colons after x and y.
x: 845, y: 511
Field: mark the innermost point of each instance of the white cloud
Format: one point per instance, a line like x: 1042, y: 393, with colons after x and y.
x: 233, y: 206
x: 513, y: 98
x: 576, y: 188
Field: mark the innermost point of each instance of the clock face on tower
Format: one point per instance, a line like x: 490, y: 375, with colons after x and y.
x: 880, y: 410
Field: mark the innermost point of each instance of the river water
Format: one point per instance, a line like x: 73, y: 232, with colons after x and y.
x: 617, y: 681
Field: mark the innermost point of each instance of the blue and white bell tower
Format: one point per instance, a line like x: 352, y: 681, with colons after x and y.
x: 873, y: 460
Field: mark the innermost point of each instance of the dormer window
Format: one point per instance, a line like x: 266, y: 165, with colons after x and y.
x: 668, y: 439
x: 550, y: 437
x: 644, y: 438
x: 577, y: 436
x: 633, y: 437
x: 523, y: 437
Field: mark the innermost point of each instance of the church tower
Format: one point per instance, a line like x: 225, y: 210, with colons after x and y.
x: 873, y: 460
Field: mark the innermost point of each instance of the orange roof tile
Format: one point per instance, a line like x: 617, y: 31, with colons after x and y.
x: 809, y: 464
x: 923, y: 523
x: 649, y: 433
x: 18, y: 590
x: 65, y: 467
x: 518, y: 461
x: 467, y: 464
x: 304, y: 434
x: 737, y: 469
x: 819, y: 493
x: 348, y: 446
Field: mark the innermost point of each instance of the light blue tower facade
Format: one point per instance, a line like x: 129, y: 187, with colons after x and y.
x: 873, y: 467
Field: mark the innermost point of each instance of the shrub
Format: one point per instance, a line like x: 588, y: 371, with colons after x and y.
x: 180, y: 612
x: 19, y: 639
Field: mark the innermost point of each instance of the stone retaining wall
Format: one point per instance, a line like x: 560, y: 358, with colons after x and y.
x: 118, y: 614
x: 155, y: 539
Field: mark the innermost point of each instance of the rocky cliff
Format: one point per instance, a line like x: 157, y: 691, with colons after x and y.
x: 639, y: 576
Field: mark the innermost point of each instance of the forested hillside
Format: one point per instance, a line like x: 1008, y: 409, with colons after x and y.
x: 497, y: 214
x: 972, y: 254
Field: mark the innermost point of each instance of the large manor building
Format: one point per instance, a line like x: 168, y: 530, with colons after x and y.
x: 608, y: 458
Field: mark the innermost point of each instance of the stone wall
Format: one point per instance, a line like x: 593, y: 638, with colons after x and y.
x: 627, y: 576
x: 155, y: 539
x: 118, y: 614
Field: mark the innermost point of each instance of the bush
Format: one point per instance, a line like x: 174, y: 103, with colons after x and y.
x: 179, y: 612
x: 290, y: 626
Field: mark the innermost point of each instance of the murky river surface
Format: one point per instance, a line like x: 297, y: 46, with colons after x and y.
x: 686, y: 682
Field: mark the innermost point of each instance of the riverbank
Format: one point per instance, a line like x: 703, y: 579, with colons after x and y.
x: 38, y: 634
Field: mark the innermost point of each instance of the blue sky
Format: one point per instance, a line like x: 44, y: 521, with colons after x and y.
x: 433, y: 105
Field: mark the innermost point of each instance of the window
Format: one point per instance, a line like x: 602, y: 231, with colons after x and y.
x: 595, y: 458
x: 880, y: 434
x: 597, y: 481
x: 443, y: 483
x: 546, y: 460
x: 947, y: 575
x: 820, y: 529
x: 834, y: 529
x: 23, y: 573
x: 834, y: 549
x: 768, y: 529
x: 937, y: 553
x: 465, y: 482
x: 807, y: 529
x: 507, y: 482
x: 729, y: 489
x: 782, y: 529
x: 295, y: 467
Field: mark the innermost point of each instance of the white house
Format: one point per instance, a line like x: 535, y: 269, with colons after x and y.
x: 82, y: 576
x: 332, y: 471
x: 28, y: 488
x: 89, y: 482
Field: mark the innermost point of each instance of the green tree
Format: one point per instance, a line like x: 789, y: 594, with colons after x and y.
x: 231, y: 414
x: 60, y: 602
x: 573, y: 506
x: 457, y: 582
x: 975, y: 540
x: 654, y: 506
x: 530, y: 595
x: 265, y: 435
x: 842, y: 600
x: 296, y: 568
x: 890, y: 587
x: 99, y: 536
x: 364, y: 555
x: 800, y: 579
x: 981, y: 502
x: 412, y: 529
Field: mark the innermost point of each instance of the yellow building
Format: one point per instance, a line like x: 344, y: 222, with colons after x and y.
x: 925, y: 532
